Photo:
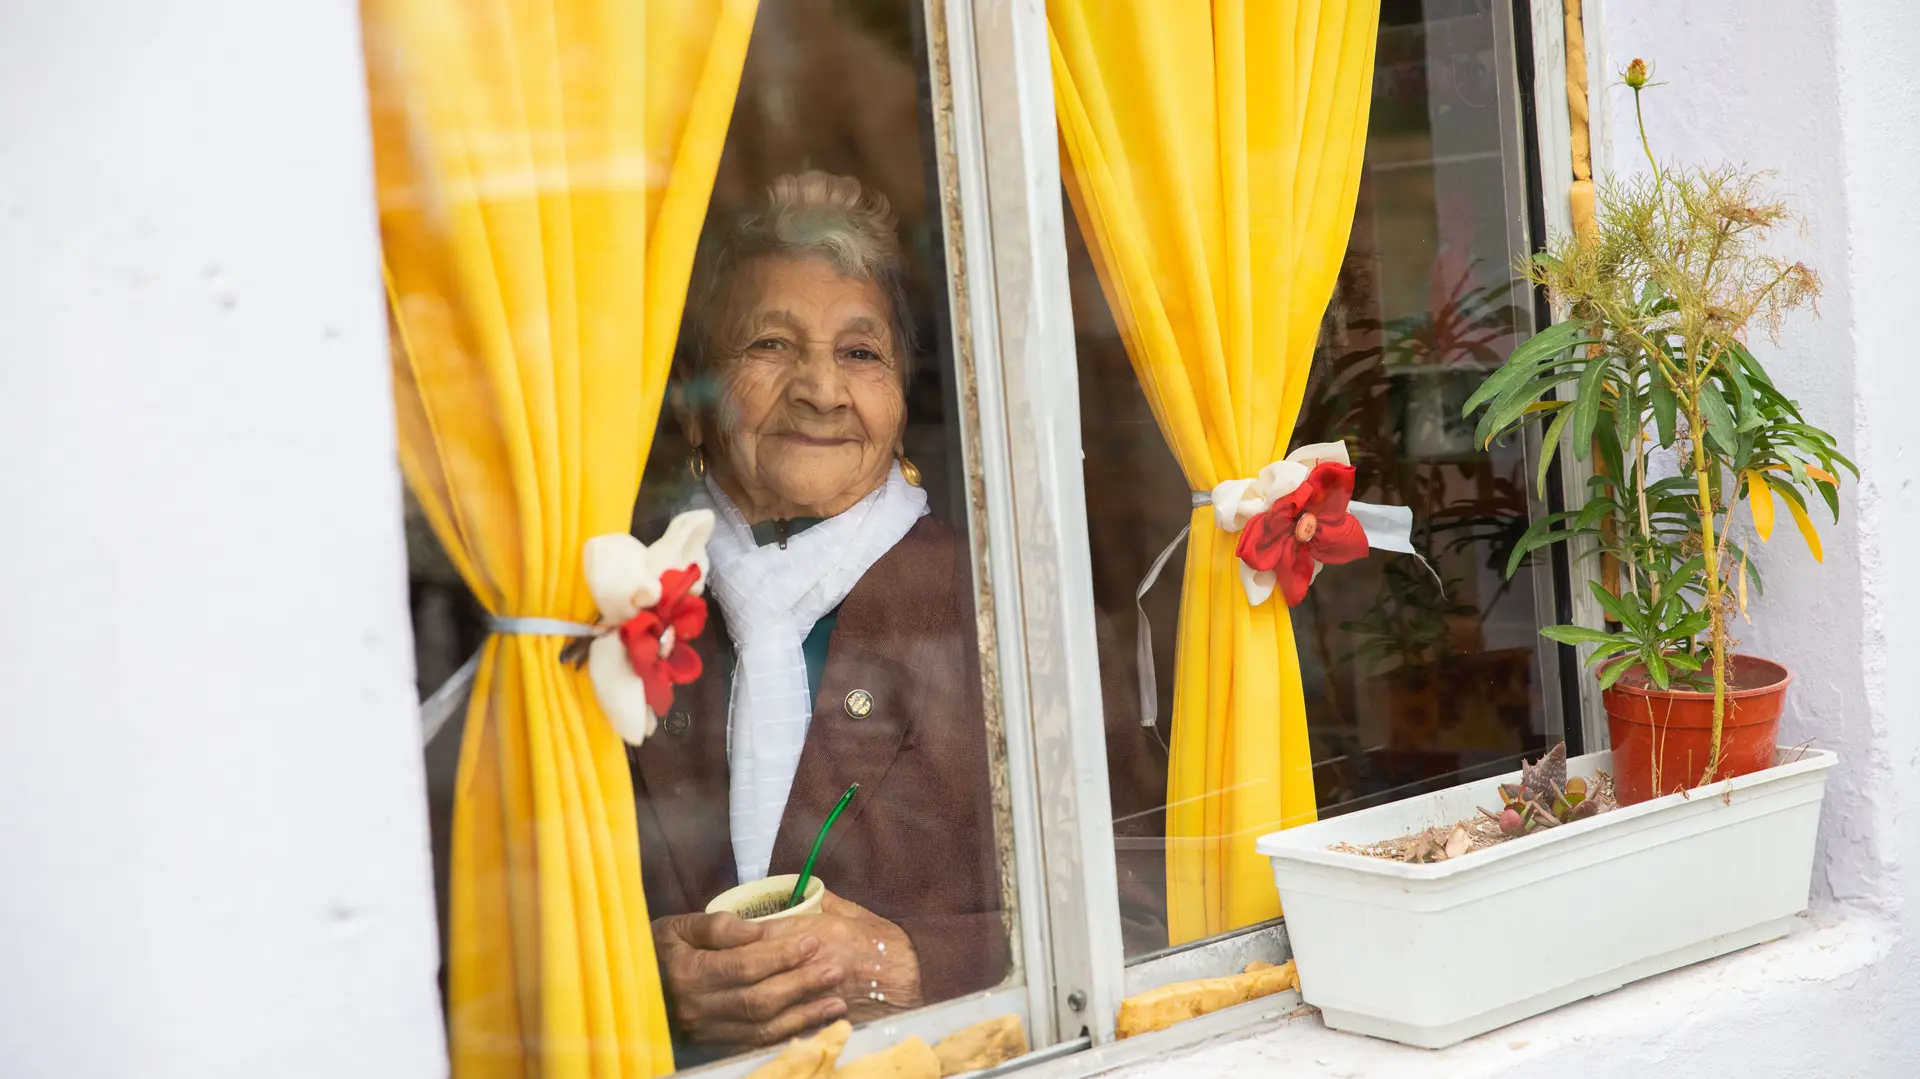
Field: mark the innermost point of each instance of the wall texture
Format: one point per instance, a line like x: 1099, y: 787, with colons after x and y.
x: 213, y: 855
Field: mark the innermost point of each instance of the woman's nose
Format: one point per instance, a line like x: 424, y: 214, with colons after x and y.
x: 818, y: 380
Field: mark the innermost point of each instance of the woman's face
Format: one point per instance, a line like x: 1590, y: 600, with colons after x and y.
x: 811, y: 405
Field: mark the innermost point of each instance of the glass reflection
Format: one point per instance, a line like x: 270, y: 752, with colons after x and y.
x: 1406, y: 682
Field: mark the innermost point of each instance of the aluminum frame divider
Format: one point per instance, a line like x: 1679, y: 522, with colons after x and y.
x: 1513, y: 134
x: 960, y: 139
x: 1556, y: 179
x: 1219, y: 956
x: 1030, y: 507
x: 1030, y: 433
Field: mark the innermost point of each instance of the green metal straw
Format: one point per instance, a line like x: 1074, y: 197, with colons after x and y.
x: 806, y: 871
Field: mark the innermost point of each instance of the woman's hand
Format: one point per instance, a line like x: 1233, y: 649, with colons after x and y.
x: 880, y: 970
x: 731, y: 982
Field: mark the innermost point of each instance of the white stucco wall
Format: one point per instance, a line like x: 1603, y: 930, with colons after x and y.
x: 1826, y: 93
x: 212, y: 830
x: 213, y: 851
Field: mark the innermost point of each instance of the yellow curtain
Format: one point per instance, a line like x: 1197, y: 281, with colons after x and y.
x: 1213, y: 156
x: 543, y: 169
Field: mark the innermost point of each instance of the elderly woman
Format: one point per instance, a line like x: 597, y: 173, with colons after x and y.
x: 843, y: 651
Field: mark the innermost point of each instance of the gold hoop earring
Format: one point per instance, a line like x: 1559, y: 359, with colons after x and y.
x: 697, y: 464
x: 908, y: 471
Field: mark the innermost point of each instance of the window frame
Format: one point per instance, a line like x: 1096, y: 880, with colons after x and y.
x: 1014, y: 84
x: 1553, y: 139
x: 1005, y: 156
x: 1023, y: 82
x: 1003, y: 220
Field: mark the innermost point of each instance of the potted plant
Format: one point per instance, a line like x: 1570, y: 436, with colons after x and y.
x: 1693, y: 448
x: 1389, y: 909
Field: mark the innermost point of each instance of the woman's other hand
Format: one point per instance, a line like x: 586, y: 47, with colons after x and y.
x: 880, y: 971
x: 731, y: 982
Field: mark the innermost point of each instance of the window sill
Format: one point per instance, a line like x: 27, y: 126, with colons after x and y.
x: 1828, y: 945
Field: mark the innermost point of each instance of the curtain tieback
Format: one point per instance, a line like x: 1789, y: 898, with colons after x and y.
x: 538, y: 627
x: 452, y: 694
x: 1143, y: 644
x: 1295, y: 517
x: 650, y: 607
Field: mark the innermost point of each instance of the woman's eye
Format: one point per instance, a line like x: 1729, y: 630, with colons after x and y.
x: 768, y: 344
x: 863, y: 354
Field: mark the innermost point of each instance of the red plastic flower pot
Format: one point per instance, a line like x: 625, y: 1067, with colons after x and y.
x: 1662, y: 737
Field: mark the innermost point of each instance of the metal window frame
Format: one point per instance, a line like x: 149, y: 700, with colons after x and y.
x: 996, y: 156
x: 1000, y: 179
x: 1229, y: 953
x: 1013, y: 216
x: 1553, y: 135
x: 1513, y: 140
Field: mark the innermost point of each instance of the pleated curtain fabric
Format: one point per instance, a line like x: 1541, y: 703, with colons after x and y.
x: 1212, y: 156
x: 543, y: 170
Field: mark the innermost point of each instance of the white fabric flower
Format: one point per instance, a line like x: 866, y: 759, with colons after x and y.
x: 623, y: 575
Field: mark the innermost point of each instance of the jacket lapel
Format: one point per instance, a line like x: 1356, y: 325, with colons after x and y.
x: 871, y: 650
x: 683, y: 768
x: 841, y: 749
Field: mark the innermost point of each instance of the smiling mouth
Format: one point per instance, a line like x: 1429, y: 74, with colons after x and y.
x: 814, y: 440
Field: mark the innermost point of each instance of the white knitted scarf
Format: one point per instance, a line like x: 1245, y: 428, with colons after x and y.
x: 771, y: 597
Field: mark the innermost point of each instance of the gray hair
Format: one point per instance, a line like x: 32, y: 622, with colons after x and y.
x: 804, y: 214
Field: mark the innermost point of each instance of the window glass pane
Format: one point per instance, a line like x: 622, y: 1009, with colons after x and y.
x: 1407, y: 684
x: 813, y: 408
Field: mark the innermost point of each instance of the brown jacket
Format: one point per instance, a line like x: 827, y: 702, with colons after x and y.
x: 916, y: 845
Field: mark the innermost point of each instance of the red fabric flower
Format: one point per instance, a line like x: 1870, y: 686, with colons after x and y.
x: 656, y: 638
x: 1308, y: 524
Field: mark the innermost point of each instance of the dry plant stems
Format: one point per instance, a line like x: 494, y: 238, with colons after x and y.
x: 1650, y: 372
x: 1546, y: 797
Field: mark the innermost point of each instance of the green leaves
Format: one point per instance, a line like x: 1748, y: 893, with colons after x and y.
x: 1586, y: 406
x: 1537, y: 351
x: 1651, y: 382
x: 1743, y: 406
x: 1617, y: 608
x: 1634, y: 376
x: 1661, y: 638
x: 1544, y: 531
x: 1581, y: 635
x: 1720, y: 425
x: 1666, y: 409
x: 1549, y: 444
x: 1529, y: 378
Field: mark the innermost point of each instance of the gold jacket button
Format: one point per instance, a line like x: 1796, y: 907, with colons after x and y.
x: 859, y: 704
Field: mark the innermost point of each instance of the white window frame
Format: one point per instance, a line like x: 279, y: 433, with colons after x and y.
x: 1000, y: 184
x: 1554, y: 140
x: 1013, y: 88
x: 1014, y: 346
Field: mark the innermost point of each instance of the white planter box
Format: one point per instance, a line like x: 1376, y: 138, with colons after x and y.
x: 1430, y: 955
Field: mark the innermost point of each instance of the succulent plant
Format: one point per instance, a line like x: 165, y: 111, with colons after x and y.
x: 1544, y: 797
